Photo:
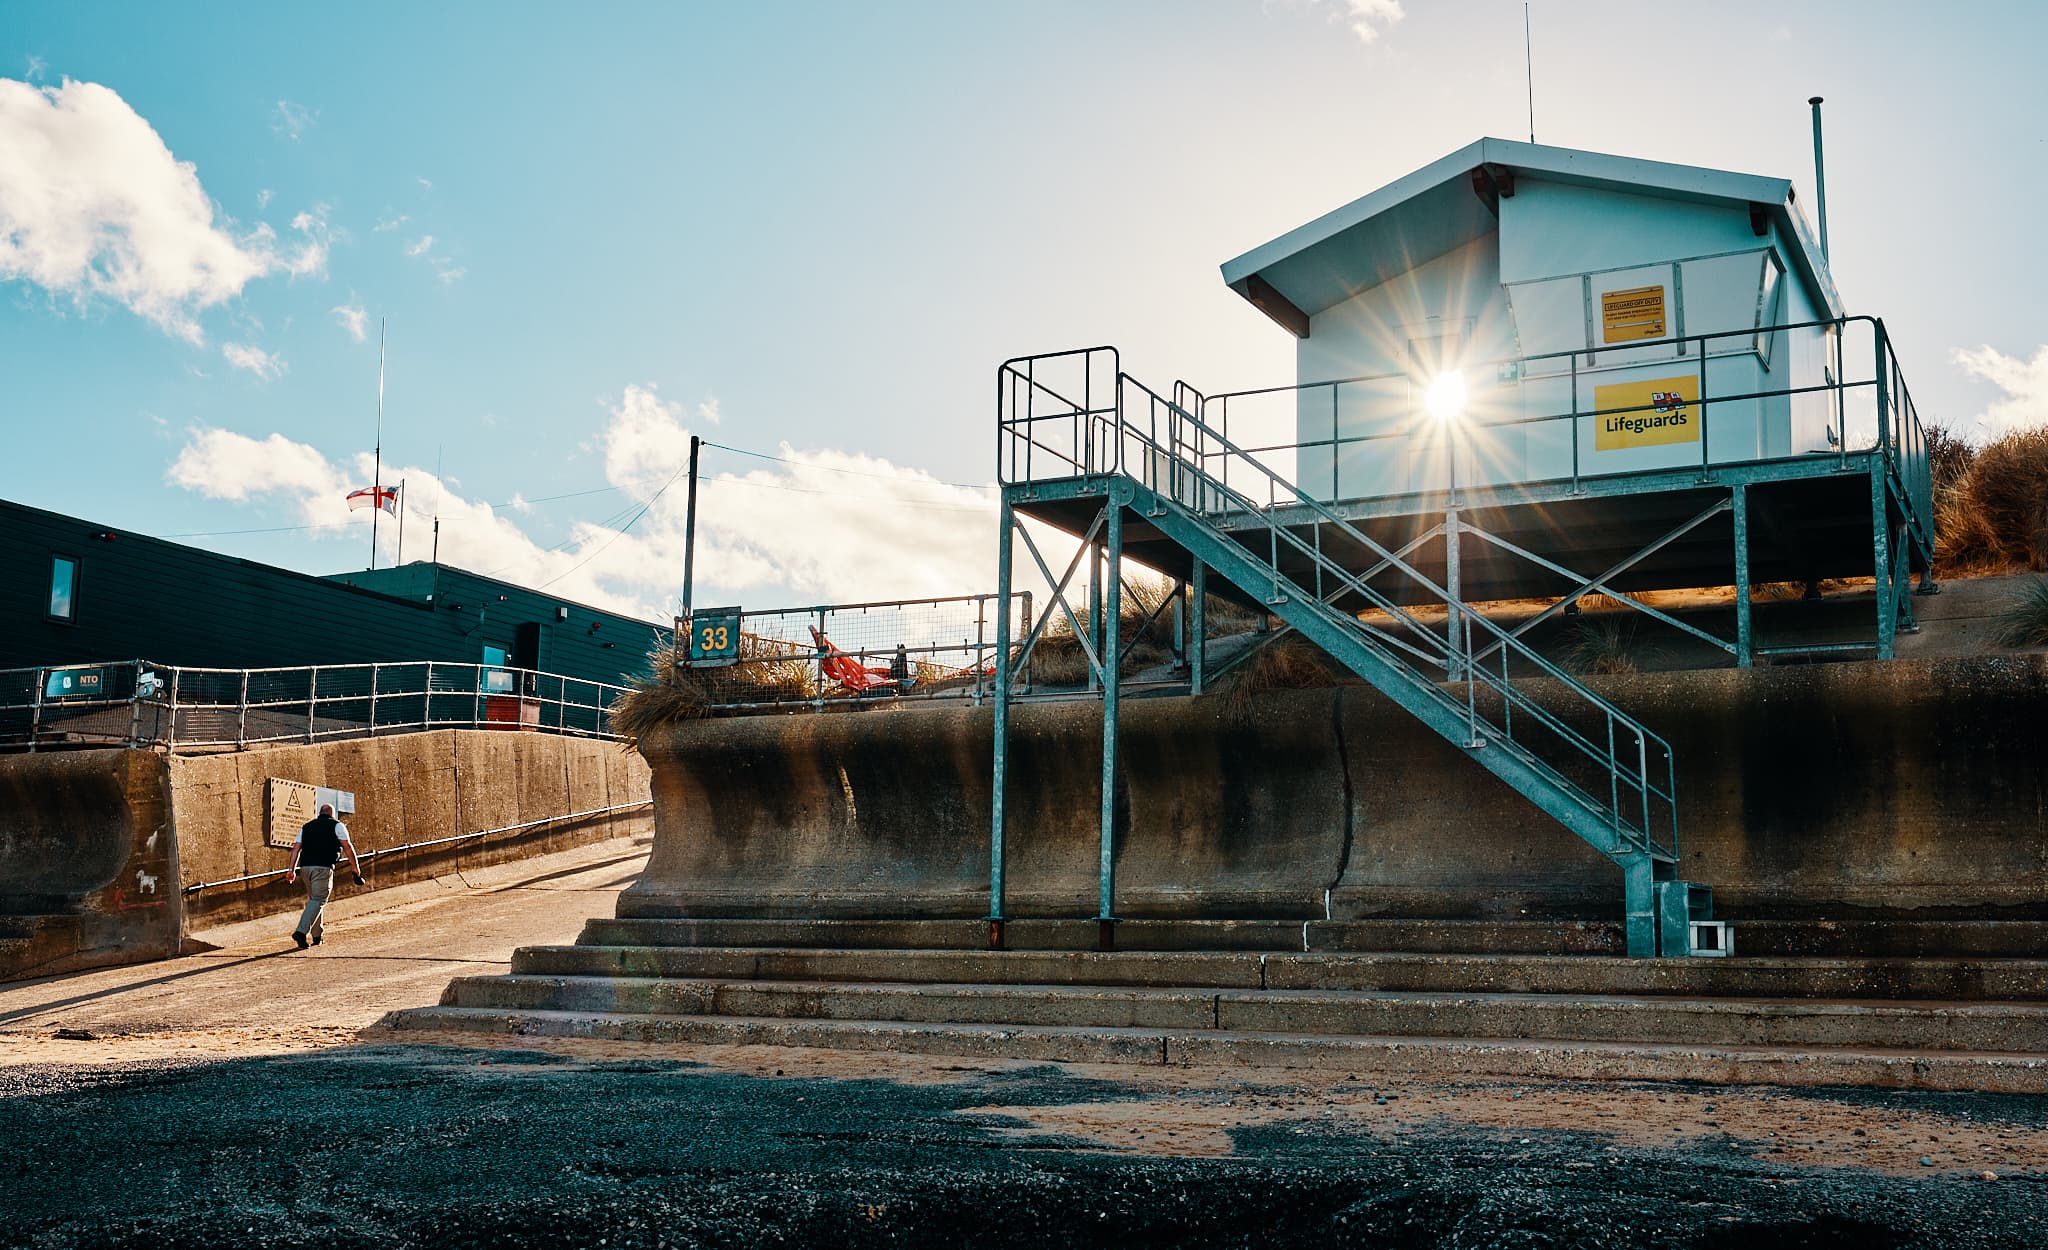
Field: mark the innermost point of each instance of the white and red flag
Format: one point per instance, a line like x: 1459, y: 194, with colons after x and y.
x: 385, y: 497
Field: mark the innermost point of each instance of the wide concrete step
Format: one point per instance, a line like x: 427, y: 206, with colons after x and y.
x: 1948, y: 980
x: 2003, y: 1027
x: 1810, y: 938
x: 1449, y: 1057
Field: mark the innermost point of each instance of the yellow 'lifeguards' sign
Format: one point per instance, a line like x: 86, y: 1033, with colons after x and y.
x: 1663, y: 410
x: 1637, y: 313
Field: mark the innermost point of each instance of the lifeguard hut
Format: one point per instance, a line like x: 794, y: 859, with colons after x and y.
x: 1521, y: 371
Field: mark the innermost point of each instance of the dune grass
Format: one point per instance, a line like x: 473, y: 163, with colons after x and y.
x: 1991, y: 504
x: 2024, y: 622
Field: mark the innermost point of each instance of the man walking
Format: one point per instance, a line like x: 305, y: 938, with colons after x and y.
x: 322, y: 841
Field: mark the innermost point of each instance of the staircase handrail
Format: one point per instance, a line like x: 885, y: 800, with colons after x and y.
x: 1639, y: 781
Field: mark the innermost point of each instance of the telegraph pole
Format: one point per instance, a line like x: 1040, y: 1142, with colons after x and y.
x: 690, y: 531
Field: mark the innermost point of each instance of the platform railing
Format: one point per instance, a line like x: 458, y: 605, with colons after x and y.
x: 1860, y: 387
x: 1464, y: 664
x: 138, y: 703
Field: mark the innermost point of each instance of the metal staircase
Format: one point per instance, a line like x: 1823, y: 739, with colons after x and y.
x: 1153, y: 464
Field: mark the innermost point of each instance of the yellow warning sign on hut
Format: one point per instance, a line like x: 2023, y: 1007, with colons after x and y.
x: 1652, y: 413
x: 1637, y: 313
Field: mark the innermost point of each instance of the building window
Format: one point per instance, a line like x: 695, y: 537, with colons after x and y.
x: 63, y: 588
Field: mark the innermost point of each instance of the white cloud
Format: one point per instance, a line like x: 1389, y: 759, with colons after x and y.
x: 310, y: 260
x: 2025, y: 383
x: 265, y: 365
x: 221, y: 464
x: 263, y: 198
x: 292, y: 120
x: 93, y: 204
x: 352, y: 317
x: 36, y: 66
x: 708, y: 413
x: 811, y: 526
x: 447, y: 271
x: 425, y: 184
x: 420, y: 246
x: 385, y: 224
x: 1366, y: 18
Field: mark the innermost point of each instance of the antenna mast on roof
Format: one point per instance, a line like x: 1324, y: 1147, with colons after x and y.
x: 377, y: 471
x: 1529, y: 70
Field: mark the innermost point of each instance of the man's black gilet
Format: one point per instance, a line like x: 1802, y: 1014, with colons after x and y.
x: 319, y: 845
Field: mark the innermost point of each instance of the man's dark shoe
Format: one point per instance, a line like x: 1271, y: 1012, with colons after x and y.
x: 316, y: 941
x: 300, y: 938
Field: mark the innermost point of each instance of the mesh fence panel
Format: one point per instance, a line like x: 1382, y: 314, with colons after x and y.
x: 919, y: 649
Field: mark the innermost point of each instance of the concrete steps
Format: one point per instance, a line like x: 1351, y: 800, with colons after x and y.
x: 932, y: 986
x: 1934, y: 939
x: 1447, y: 1057
x: 2021, y: 1027
x: 2011, y: 980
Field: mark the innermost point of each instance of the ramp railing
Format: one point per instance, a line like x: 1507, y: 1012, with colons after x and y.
x: 185, y: 709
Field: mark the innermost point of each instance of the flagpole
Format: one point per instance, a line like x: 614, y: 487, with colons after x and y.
x: 377, y: 472
x: 401, y: 521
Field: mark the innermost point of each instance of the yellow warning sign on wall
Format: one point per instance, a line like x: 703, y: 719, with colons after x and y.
x: 1637, y: 313
x: 1662, y: 410
x: 286, y: 806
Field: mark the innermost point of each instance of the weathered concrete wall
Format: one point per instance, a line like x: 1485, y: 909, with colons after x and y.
x: 88, y: 862
x: 1852, y: 791
x: 408, y: 788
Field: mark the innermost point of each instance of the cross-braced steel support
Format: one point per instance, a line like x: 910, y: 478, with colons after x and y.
x: 1098, y: 634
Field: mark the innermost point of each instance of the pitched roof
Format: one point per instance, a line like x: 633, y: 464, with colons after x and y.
x: 1436, y: 209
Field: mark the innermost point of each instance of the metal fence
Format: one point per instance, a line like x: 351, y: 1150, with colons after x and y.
x: 904, y: 649
x: 142, y: 704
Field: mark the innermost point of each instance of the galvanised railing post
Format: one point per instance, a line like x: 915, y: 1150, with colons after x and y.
x: 312, y: 698
x: 35, y: 714
x: 1882, y: 378
x: 135, y: 705
x: 241, y: 715
x: 1575, y: 422
x: 1705, y: 459
x: 171, y: 736
x: 373, y: 700
x: 980, y: 651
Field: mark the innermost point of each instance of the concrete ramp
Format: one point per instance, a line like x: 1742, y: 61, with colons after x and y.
x: 109, y: 856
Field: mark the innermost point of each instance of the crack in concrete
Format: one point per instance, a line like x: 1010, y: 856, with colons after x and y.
x: 1350, y: 818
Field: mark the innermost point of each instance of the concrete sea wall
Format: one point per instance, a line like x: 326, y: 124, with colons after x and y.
x: 1862, y: 791
x: 88, y: 862
x: 99, y: 849
x: 408, y: 788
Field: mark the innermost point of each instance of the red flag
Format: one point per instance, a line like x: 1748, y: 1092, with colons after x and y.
x: 385, y: 497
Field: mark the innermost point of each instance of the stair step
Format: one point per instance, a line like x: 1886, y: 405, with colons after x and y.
x: 1818, y: 938
x: 2014, y: 1027
x: 2012, y: 980
x: 1444, y: 1057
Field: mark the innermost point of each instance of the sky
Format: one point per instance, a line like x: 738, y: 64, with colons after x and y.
x: 810, y: 233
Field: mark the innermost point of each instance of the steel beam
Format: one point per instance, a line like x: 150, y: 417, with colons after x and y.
x: 1000, y: 780
x: 1881, y: 538
x: 1198, y: 617
x: 1111, y: 689
x: 1745, y: 636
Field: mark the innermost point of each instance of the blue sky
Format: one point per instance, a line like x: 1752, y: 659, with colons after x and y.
x: 824, y: 226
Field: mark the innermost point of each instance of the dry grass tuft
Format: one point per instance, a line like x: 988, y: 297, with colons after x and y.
x: 2024, y: 622
x: 668, y: 697
x: 1607, y: 647
x: 1059, y: 660
x: 1289, y: 662
x: 1993, y: 514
